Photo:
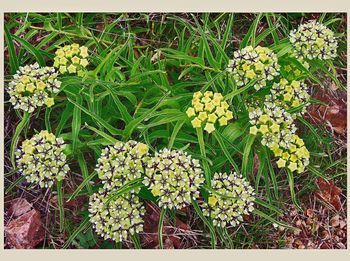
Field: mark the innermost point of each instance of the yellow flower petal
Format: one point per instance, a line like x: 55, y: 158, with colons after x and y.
x: 209, y: 127
x: 72, y: 68
x: 229, y: 115
x: 281, y: 163
x: 84, y: 62
x: 212, y: 117
x: 190, y: 112
x: 292, y: 166
x: 63, y: 69
x: 40, y: 85
x: 275, y: 127
x: 250, y: 74
x: 223, y: 121
x: 49, y: 102
x: 212, y: 201
x: 84, y: 52
x: 263, y: 129
x: 198, y: 107
x: 196, y: 123
x: 253, y: 130
x: 75, y: 60
x: 202, y: 116
x: 264, y: 118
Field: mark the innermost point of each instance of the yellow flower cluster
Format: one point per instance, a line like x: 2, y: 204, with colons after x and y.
x: 208, y: 109
x: 41, y: 159
x: 278, y: 133
x: 289, y: 95
x: 259, y: 63
x: 71, y: 59
x: 32, y: 86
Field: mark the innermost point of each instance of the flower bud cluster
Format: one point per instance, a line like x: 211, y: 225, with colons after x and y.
x: 121, y: 163
x: 209, y: 109
x: 116, y: 217
x: 72, y: 59
x: 278, y: 133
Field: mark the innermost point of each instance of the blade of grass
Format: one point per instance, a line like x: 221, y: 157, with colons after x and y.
x: 14, y: 64
x: 291, y: 188
x: 82, y: 226
x: 218, y: 137
x: 31, y: 49
x: 84, y: 170
x: 206, y: 222
x: 82, y: 185
x: 60, y: 204
x: 97, y: 118
x: 246, y: 153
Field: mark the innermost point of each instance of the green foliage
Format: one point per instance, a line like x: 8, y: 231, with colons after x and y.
x: 142, y: 74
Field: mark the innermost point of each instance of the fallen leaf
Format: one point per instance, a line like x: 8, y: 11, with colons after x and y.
x: 333, y: 114
x: 309, y: 212
x: 329, y: 192
x: 149, y: 238
x: 335, y: 221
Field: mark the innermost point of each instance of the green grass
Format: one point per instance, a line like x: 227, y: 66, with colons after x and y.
x: 144, y: 69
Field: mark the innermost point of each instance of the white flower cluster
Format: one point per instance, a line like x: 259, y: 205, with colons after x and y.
x: 233, y: 198
x: 41, y: 159
x: 313, y: 41
x: 175, y: 177
x: 116, y: 217
x: 289, y: 95
x: 121, y: 163
x: 31, y: 87
x: 249, y: 64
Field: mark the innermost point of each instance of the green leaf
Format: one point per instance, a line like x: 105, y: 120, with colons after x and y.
x: 246, y: 154
x: 97, y: 118
x: 14, y: 64
x: 60, y: 204
x: 82, y: 185
x: 218, y: 137
x: 31, y: 49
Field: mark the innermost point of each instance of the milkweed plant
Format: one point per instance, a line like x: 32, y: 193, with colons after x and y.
x: 201, y: 159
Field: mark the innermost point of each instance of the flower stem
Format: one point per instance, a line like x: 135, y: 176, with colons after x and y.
x: 205, y: 162
x: 160, y: 227
x: 23, y: 123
